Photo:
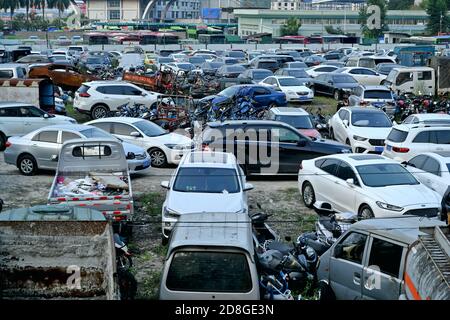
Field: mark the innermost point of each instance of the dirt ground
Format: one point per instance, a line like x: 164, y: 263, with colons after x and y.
x: 273, y: 195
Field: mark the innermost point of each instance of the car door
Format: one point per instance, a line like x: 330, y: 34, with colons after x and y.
x: 113, y: 96
x: 293, y: 148
x: 357, y: 74
x: 325, y: 178
x: 33, y: 118
x: 346, y: 266
x: 11, y: 121
x: 136, y: 95
x: 371, y: 77
x: 382, y: 275
x: 123, y: 131
x: 44, y: 146
x: 431, y: 175
x: 422, y: 143
x: 345, y: 193
x: 440, y: 141
x: 319, y: 83
x: 262, y: 96
x: 340, y: 132
x: 254, y: 145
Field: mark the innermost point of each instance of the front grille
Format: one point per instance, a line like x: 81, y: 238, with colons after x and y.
x: 429, y: 212
x: 377, y: 142
x: 303, y: 93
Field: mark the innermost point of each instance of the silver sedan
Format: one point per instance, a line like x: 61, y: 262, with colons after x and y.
x: 40, y: 149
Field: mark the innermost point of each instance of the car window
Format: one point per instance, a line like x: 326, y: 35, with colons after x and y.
x: 321, y: 77
x: 403, y: 77
x: 69, y: 136
x: 115, y: 90
x: 103, y: 125
x: 355, y: 71
x: 6, y: 74
x: 285, y: 135
x: 260, y: 91
x: 417, y: 162
x: 443, y: 137
x: 345, y: 115
x: 367, y: 72
x: 330, y: 166
x: 341, y: 114
x: 199, y: 271
x: 397, y: 135
x: 47, y: 136
x: 346, y: 172
x: 9, y: 112
x: 207, y: 180
x: 424, y: 75
x: 131, y: 91
x: 123, y: 129
x: 432, y: 166
x: 386, y: 256
x: 30, y: 112
x: 422, y: 137
x: 352, y: 247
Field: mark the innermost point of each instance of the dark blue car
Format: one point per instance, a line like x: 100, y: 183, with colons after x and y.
x: 263, y: 96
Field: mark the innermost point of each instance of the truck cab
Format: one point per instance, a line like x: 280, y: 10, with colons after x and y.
x: 417, y: 80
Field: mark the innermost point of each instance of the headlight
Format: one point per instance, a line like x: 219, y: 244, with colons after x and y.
x: 174, y: 146
x: 168, y: 213
x: 291, y: 92
x: 387, y: 206
x: 358, y: 138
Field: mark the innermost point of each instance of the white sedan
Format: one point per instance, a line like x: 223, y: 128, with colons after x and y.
x: 364, y: 76
x: 369, y: 185
x: 292, y: 87
x: 364, y: 129
x: 314, y: 71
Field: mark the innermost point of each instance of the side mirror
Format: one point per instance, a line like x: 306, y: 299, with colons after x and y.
x: 55, y: 158
x: 165, y: 184
x: 350, y: 182
x: 345, y: 122
x: 301, y: 143
x: 338, y: 250
x: 248, y: 187
x: 46, y: 116
x: 135, y: 134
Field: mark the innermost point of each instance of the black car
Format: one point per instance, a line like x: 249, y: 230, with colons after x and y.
x: 266, y: 147
x: 333, y: 84
x: 210, y: 68
x: 268, y: 64
x: 297, y: 73
x: 232, y: 71
x: 255, y: 75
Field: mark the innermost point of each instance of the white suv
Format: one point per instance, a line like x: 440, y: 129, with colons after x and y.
x: 98, y: 98
x: 407, y: 141
x: 18, y: 119
x: 204, y: 182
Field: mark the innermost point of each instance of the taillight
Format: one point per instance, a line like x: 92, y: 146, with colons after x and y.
x: 84, y: 95
x: 400, y: 150
x: 8, y: 144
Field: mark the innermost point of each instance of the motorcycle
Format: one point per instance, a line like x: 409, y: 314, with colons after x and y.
x: 123, y: 256
x: 276, y: 287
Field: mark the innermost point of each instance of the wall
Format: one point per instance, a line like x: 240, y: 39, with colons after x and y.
x: 96, y: 9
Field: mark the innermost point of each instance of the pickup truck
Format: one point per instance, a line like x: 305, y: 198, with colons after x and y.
x: 94, y: 173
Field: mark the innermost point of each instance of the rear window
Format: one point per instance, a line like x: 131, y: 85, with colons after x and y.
x: 377, y: 94
x: 267, y: 65
x: 209, y: 272
x: 207, y: 180
x: 83, y: 89
x: 235, y: 54
x: 397, y: 135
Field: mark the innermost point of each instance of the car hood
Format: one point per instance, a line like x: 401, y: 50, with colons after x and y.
x: 173, y: 138
x: 189, y: 202
x: 417, y: 194
x: 313, y: 133
x: 296, y: 88
x: 331, y: 144
x: 63, y: 118
x: 371, y: 132
x: 128, y: 147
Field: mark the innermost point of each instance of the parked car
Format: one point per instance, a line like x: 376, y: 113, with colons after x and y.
x: 314, y: 60
x: 335, y: 56
x: 18, y: 119
x: 364, y: 129
x: 335, y: 63
x: 255, y: 75
x: 210, y: 68
x: 280, y: 59
x: 219, y: 251
x: 296, y: 117
x: 369, y: 61
x: 34, y: 58
x: 372, y: 259
x: 227, y: 60
x: 370, y: 185
x: 364, y: 76
x: 292, y: 87
x: 181, y: 67
x: 203, y: 182
x: 406, y: 141
x: 428, y: 119
x: 333, y: 84
x: 268, y: 64
x: 12, y: 71
x: 300, y: 74
x: 287, y: 147
x: 317, y: 70
x: 228, y: 71
x: 262, y: 95
x: 376, y: 96
x: 98, y: 98
x: 385, y: 68
x: 196, y: 60
x: 236, y: 54
x: 164, y: 148
x: 294, y: 65
x: 40, y: 148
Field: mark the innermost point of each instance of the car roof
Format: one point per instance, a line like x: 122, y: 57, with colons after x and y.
x: 107, y: 82
x: 362, y: 159
x: 431, y: 116
x: 422, y: 126
x: 403, y: 229
x: 363, y: 109
x: 6, y: 104
x: 128, y: 120
x: 213, y: 230
x: 289, y: 111
x: 383, y: 88
x: 68, y: 127
x: 209, y: 159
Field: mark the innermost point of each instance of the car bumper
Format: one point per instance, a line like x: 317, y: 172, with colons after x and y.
x: 139, y: 166
x: 297, y: 98
x: 174, y: 155
x: 431, y: 209
x: 10, y: 157
x: 366, y: 147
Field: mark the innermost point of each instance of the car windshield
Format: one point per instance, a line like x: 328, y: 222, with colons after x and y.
x: 377, y: 94
x: 165, y: 60
x: 198, y: 271
x: 383, y: 175
x: 342, y: 78
x: 290, y: 82
x: 197, y: 60
x: 298, y: 122
x: 215, y: 65
x: 96, y: 133
x: 149, y: 128
x: 260, y: 75
x: 236, y: 54
x: 234, y: 69
x: 186, y: 66
x: 397, y: 135
x: 229, y: 92
x: 267, y: 64
x: 298, y: 73
x: 371, y: 119
x: 96, y: 60
x: 207, y: 180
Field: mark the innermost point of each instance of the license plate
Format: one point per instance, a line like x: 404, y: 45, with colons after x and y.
x: 389, y: 148
x: 379, y: 149
x: 146, y: 163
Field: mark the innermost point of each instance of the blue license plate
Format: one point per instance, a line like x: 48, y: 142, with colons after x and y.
x: 389, y: 148
x: 146, y: 163
x: 379, y: 149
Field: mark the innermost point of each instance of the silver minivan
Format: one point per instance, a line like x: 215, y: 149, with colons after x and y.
x: 368, y: 261
x: 210, y: 257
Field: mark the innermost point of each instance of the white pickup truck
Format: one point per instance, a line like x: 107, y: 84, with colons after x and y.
x: 94, y: 173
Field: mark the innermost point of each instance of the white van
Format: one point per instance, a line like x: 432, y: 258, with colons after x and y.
x: 368, y: 61
x: 417, y: 80
x: 210, y: 257
x: 12, y: 71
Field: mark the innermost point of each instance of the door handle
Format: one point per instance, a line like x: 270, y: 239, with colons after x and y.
x: 357, y: 278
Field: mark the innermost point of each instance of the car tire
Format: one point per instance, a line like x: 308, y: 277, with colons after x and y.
x: 365, y: 212
x: 308, y: 195
x: 2, y: 142
x: 99, y: 111
x: 158, y: 158
x: 27, y: 165
x: 325, y: 292
x: 336, y: 95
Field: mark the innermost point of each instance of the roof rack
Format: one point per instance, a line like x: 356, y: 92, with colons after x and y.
x: 431, y: 125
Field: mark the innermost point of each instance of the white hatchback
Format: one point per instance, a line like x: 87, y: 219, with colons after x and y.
x: 292, y: 87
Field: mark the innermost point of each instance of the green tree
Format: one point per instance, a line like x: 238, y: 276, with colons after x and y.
x: 61, y: 5
x: 290, y: 28
x: 400, y: 4
x: 364, y: 16
x: 437, y: 20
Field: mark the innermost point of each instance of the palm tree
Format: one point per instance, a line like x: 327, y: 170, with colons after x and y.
x: 10, y: 5
x: 61, y: 5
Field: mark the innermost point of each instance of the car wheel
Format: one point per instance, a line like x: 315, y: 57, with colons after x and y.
x: 158, y: 157
x: 325, y: 292
x: 27, y: 165
x: 308, y: 195
x: 99, y: 111
x: 365, y: 212
x: 336, y: 95
x: 2, y: 142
